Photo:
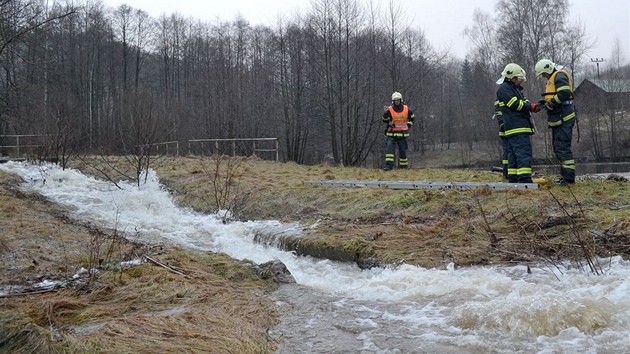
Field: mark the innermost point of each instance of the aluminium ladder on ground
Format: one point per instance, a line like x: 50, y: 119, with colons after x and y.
x: 421, y: 184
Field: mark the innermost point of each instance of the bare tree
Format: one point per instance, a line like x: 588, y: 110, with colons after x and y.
x: 423, y: 70
x: 577, y: 45
x: 337, y: 27
x: 482, y: 37
x: 616, y: 105
x: 531, y: 29
x: 290, y: 41
x: 144, y: 125
x: 63, y: 131
x: 395, y: 22
x: 123, y: 29
x: 143, y: 27
x: 617, y: 59
x: 18, y: 19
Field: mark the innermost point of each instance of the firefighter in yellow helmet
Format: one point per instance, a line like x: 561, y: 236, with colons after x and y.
x: 399, y: 119
x: 514, y: 110
x: 561, y: 117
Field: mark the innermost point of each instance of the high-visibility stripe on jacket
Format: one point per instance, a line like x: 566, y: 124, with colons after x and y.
x: 399, y: 122
x: 559, y: 90
x: 561, y: 93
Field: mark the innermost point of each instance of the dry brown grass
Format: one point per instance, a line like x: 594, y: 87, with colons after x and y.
x: 152, y: 311
x: 148, y: 310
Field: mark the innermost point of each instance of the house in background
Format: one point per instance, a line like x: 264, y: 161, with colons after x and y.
x: 603, y: 109
x: 602, y: 96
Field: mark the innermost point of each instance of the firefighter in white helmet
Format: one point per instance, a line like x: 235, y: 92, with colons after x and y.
x: 514, y: 111
x: 399, y: 119
x: 561, y: 116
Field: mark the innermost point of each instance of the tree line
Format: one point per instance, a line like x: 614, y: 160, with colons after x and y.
x: 109, y: 80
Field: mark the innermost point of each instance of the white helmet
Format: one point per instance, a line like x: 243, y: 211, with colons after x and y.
x: 396, y: 96
x: 514, y: 70
x: 544, y: 66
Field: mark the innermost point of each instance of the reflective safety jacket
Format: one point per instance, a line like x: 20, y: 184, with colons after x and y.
x: 513, y: 109
x: 399, y: 119
x: 559, y: 90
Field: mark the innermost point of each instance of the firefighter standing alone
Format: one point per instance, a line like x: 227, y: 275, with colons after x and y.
x: 399, y: 119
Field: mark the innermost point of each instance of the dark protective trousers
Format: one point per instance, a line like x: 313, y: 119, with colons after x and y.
x: 504, y: 157
x: 390, y: 155
x: 562, y: 136
x: 519, y: 158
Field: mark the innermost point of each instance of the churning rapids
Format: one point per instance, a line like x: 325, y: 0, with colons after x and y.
x: 338, y: 308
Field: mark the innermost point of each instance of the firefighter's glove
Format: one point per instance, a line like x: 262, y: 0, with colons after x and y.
x: 550, y: 105
x: 534, y: 108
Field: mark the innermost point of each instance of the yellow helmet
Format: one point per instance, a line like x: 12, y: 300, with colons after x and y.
x: 514, y: 70
x: 396, y: 96
x: 544, y: 66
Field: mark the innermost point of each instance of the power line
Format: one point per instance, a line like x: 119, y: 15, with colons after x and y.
x: 597, y: 61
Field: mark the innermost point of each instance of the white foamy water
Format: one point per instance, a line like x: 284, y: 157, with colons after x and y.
x: 341, y: 309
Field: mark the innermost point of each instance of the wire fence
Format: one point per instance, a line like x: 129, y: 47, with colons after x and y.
x: 167, y: 148
x: 33, y: 146
x: 24, y: 146
x: 266, y: 148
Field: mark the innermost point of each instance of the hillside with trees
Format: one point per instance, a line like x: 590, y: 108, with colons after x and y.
x: 94, y: 79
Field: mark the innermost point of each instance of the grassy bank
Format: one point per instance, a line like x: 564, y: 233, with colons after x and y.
x: 430, y: 228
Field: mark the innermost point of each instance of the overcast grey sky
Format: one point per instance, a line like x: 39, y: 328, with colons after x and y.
x: 443, y: 21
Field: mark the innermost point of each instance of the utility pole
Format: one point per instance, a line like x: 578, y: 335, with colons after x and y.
x: 597, y: 61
